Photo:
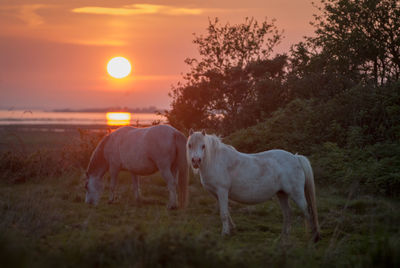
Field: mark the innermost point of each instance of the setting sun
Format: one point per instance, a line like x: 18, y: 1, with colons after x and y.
x: 118, y: 118
x: 119, y: 67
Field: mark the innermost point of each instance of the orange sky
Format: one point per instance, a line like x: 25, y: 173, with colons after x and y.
x: 53, y: 54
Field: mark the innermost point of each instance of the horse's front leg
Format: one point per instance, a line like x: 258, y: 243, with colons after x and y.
x: 171, y: 184
x: 113, y: 183
x: 226, y: 219
x: 136, y: 189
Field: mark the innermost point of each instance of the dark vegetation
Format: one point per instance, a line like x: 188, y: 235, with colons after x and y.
x: 22, y: 164
x: 353, y: 137
x: 44, y: 221
x: 334, y: 98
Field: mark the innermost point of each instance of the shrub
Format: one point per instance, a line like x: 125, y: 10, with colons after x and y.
x: 375, y: 167
x: 352, y: 137
x: 78, y: 154
x: 16, y: 167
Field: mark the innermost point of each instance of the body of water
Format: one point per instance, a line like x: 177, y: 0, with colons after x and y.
x: 37, y: 117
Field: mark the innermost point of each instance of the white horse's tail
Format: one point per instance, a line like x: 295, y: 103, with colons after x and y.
x: 309, y: 190
x: 183, y: 170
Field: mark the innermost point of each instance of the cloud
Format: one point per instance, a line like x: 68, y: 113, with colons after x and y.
x: 139, y: 9
x: 98, y: 42
x: 26, y: 13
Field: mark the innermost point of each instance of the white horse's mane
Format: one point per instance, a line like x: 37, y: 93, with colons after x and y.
x: 213, y: 140
x: 214, y: 144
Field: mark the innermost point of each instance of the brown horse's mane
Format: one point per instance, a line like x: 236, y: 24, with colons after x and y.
x: 97, y: 159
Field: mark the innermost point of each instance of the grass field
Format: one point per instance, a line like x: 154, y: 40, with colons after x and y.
x: 45, y: 222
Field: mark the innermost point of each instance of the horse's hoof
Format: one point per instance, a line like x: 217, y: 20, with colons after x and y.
x: 172, y: 207
x: 226, y: 233
x: 283, y: 240
x: 138, y: 202
x: 316, y: 237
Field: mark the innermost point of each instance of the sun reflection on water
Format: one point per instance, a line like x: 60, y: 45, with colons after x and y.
x: 118, y: 118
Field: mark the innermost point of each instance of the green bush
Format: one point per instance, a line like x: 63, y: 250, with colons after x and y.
x: 375, y: 167
x: 17, y: 167
x: 352, y: 137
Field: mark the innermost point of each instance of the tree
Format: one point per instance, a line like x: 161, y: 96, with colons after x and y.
x: 357, y: 41
x: 225, y: 80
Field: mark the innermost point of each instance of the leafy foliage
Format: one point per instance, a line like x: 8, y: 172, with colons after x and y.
x: 334, y: 97
x: 233, y: 77
x: 236, y: 83
x: 232, y: 46
x: 362, y: 38
x: 356, y: 42
x: 352, y: 137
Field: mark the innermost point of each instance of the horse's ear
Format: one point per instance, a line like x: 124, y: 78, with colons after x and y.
x: 191, y: 132
x: 203, y: 132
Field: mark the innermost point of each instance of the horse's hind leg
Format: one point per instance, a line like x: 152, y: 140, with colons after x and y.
x: 300, y: 199
x: 113, y: 183
x: 171, y: 184
x: 231, y: 224
x: 136, y: 189
x: 284, y: 202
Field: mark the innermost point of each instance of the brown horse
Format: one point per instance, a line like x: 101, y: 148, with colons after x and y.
x: 141, y: 151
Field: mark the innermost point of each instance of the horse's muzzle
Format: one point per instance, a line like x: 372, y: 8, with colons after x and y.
x: 195, y: 166
x: 196, y: 162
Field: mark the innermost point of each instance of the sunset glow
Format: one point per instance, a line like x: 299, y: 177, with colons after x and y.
x: 54, y: 54
x: 119, y: 67
x: 118, y: 118
x: 139, y: 9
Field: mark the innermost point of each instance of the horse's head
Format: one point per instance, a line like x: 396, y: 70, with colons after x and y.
x: 195, y: 147
x: 94, y: 188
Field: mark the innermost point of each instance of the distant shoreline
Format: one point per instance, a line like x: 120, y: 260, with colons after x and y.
x: 150, y: 109
x: 64, y: 127
x: 77, y: 117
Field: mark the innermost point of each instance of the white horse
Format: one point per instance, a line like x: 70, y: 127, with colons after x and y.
x: 253, y: 178
x: 142, y: 151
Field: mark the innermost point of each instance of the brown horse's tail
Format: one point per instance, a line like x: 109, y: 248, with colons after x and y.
x: 183, y: 170
x: 309, y: 190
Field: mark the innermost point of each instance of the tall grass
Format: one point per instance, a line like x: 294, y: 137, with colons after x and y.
x: 18, y: 166
x: 44, y: 222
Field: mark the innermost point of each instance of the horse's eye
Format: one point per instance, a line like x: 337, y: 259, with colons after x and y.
x: 190, y: 146
x: 86, y: 186
x: 203, y: 147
